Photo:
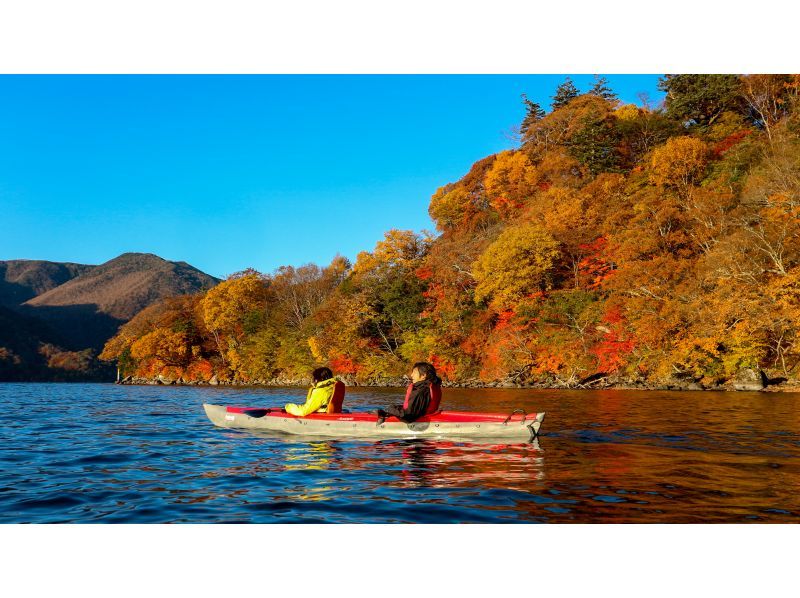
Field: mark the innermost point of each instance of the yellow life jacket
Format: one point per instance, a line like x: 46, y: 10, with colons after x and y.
x: 317, y: 399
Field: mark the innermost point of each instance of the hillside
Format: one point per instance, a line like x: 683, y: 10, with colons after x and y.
x: 616, y: 244
x: 85, y: 311
x: 124, y: 286
x: 21, y: 280
x: 57, y: 332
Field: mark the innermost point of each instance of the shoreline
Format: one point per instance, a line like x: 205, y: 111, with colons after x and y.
x: 730, y: 386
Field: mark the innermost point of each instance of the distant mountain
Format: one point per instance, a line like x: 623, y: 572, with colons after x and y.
x: 21, y: 280
x: 51, y: 313
x: 87, y: 310
x: 122, y: 287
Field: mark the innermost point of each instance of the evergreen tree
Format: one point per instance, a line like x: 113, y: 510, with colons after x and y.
x: 565, y: 93
x: 595, y: 144
x: 700, y: 99
x: 602, y: 90
x: 533, y: 114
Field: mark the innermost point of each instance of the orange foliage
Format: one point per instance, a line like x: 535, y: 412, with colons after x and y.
x: 678, y: 257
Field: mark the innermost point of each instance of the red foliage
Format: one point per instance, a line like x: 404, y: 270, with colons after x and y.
x: 536, y: 295
x: 424, y: 273
x: 594, y: 269
x: 731, y: 140
x: 506, y: 206
x: 444, y: 368
x: 504, y: 319
x: 612, y: 354
x: 435, y: 292
x: 613, y: 315
x: 343, y: 365
x: 612, y: 351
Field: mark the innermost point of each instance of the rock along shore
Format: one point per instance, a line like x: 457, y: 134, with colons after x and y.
x: 747, y: 380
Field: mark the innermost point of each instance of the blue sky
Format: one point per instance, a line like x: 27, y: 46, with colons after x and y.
x: 229, y: 172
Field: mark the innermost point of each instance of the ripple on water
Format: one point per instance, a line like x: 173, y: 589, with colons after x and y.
x: 106, y: 453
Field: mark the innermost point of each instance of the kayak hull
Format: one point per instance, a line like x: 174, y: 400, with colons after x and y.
x: 444, y: 424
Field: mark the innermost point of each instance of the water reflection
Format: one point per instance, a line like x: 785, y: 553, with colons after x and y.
x: 148, y: 454
x: 441, y: 464
x: 314, y: 455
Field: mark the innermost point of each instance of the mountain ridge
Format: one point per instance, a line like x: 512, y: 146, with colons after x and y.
x: 22, y: 280
x: 135, y: 273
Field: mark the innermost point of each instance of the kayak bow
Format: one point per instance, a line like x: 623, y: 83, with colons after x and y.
x: 462, y: 424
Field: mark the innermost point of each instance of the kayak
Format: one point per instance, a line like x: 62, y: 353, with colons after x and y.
x: 517, y: 425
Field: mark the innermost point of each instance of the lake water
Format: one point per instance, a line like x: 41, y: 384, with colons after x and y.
x: 125, y: 454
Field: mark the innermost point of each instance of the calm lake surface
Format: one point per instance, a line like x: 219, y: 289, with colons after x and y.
x: 89, y: 453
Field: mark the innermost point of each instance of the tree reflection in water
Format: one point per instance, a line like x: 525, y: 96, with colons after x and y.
x: 426, y: 463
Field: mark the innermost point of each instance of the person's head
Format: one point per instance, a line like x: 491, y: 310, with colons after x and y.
x: 321, y: 374
x: 422, y: 370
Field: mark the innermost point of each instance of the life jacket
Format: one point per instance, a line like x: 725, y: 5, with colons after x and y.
x: 436, y: 397
x: 335, y: 404
x: 328, y: 387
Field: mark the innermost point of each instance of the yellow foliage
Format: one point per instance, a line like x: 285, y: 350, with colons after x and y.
x: 398, y: 248
x: 509, y: 182
x: 516, y: 264
x: 679, y: 162
x: 447, y: 206
x: 628, y: 112
x: 225, y: 306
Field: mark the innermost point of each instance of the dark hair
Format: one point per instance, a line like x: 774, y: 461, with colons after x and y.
x: 426, y: 370
x: 321, y: 374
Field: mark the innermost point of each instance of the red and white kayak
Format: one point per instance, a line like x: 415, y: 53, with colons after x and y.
x: 457, y: 424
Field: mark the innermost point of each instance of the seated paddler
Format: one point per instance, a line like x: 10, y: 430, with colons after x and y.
x: 320, y: 398
x: 423, y: 395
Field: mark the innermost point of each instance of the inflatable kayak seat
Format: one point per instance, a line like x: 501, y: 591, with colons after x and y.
x: 335, y: 405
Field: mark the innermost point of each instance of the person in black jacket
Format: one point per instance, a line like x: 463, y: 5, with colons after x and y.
x: 419, y: 394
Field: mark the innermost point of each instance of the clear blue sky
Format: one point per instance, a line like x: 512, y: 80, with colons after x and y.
x: 229, y: 172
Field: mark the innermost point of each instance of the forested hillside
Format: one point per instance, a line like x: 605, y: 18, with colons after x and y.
x: 619, y: 243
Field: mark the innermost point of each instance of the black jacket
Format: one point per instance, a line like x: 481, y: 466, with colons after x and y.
x: 417, y: 403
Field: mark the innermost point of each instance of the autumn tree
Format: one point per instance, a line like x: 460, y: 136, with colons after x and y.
x: 679, y: 163
x: 510, y: 182
x: 640, y: 131
x: 167, y: 347
x: 516, y: 264
x: 768, y: 98
x: 464, y: 204
x: 232, y: 308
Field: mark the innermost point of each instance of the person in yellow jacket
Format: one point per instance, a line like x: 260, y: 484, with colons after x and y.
x: 319, y: 395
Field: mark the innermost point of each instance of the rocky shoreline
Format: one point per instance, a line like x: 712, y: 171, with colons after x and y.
x: 747, y: 381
